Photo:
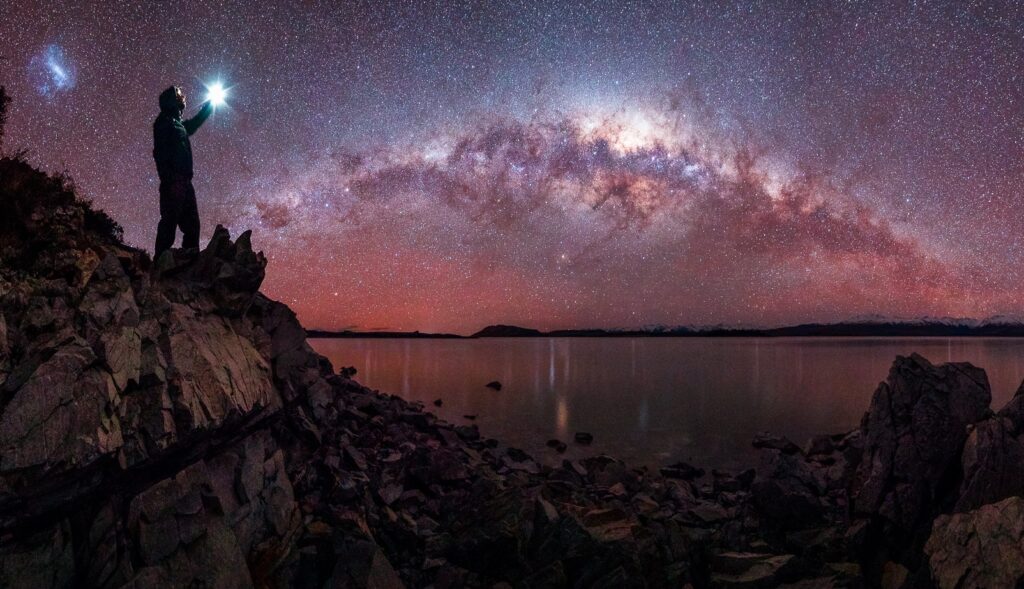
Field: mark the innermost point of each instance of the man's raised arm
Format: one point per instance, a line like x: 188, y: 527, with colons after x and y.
x: 193, y: 124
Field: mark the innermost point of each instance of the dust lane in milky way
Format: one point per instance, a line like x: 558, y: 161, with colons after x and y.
x: 408, y: 166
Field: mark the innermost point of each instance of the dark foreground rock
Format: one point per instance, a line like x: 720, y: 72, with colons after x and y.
x: 164, y: 424
x: 980, y: 548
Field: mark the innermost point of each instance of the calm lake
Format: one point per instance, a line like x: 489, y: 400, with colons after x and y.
x: 656, y: 400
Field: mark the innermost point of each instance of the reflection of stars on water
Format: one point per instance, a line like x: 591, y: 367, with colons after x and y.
x: 51, y: 72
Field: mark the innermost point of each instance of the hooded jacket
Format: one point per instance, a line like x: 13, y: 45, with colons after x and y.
x: 172, y: 149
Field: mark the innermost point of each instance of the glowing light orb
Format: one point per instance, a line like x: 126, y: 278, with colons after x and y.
x: 216, y: 93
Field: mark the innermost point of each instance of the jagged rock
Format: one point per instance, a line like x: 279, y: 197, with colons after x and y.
x: 583, y: 437
x: 489, y: 534
x: 724, y: 482
x: 182, y: 535
x: 63, y: 416
x: 992, y: 457
x: 553, y: 575
x: 390, y: 493
x: 707, y: 512
x: 914, y: 433
x: 751, y: 570
x: 441, y: 466
x: 894, y: 576
x: 765, y: 440
x: 111, y: 311
x: 44, y: 559
x: 252, y: 486
x: 831, y: 582
x: 215, y: 373
x: 468, y: 432
x: 353, y: 558
x: 229, y: 272
x: 787, y: 489
x: 608, y: 525
x: 557, y: 445
x: 682, y: 471
x: 516, y: 459
x: 820, y: 445
x: 980, y: 548
x: 5, y: 351
x: 1014, y: 410
x: 355, y: 457
x: 606, y: 471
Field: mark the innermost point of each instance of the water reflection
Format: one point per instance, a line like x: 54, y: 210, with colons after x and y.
x: 656, y: 400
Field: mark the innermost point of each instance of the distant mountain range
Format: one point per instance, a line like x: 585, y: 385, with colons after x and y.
x: 866, y: 326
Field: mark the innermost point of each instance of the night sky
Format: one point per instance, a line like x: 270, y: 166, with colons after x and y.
x: 557, y: 164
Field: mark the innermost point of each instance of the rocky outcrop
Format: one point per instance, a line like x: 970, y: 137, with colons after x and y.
x: 914, y: 434
x: 928, y: 445
x: 140, y: 404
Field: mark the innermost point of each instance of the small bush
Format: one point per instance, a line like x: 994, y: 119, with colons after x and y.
x: 99, y: 222
x: 25, y: 190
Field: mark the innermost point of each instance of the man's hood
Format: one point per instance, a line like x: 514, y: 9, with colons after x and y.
x: 169, y: 102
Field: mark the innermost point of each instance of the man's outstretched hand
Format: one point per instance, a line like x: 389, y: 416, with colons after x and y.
x: 193, y: 124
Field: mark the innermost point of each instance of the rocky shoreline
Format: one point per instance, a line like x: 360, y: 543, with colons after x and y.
x: 165, y: 424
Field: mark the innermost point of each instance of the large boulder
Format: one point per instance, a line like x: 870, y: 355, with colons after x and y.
x: 788, y: 490
x: 43, y: 558
x: 980, y: 548
x: 992, y: 458
x: 748, y: 570
x: 63, y: 417
x: 913, y: 436
x: 213, y: 372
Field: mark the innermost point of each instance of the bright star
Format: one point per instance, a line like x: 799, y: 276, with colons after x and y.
x: 216, y: 93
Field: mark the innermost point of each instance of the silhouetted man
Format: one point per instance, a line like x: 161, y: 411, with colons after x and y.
x: 173, y: 154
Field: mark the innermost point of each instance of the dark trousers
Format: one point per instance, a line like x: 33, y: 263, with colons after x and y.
x: 177, y: 209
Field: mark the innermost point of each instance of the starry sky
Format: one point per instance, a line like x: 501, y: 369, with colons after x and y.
x: 441, y: 167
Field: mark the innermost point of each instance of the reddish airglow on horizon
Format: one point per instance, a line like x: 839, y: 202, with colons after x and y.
x: 442, y: 169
